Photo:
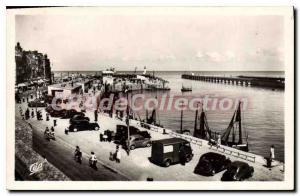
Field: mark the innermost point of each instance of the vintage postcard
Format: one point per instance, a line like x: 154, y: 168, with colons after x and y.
x: 150, y: 98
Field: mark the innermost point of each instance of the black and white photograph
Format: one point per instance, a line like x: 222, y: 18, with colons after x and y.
x: 150, y: 98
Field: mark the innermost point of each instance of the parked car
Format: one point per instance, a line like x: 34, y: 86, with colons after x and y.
x: 169, y: 151
x: 84, y: 126
x: 238, y: 171
x: 56, y: 111
x: 79, y: 119
x: 37, y: 103
x: 137, y: 141
x: 122, y: 133
x: 71, y: 113
x: 211, y: 163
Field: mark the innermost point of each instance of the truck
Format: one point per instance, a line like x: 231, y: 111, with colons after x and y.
x: 166, y: 152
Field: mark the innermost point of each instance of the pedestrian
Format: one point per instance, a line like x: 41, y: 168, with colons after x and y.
x: 52, y: 129
x: 219, y: 140
x: 27, y: 114
x: 32, y: 113
x: 96, y: 115
x: 66, y: 130
x: 118, y: 156
x: 109, y: 136
x: 182, y: 155
x: 164, y: 131
x: 111, y: 156
x: 27, y: 99
x: 272, y: 153
x: 93, y: 160
x: 20, y: 110
x: 105, y: 136
x: 46, y: 132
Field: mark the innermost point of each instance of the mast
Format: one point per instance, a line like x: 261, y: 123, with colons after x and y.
x: 225, y: 136
x: 202, y: 125
x: 181, y: 116
x: 238, y: 119
x: 195, y: 125
x: 233, y: 134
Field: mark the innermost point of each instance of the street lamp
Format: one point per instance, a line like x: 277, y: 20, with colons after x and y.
x: 127, y: 122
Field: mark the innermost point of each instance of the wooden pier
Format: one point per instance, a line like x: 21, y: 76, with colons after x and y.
x: 265, y: 82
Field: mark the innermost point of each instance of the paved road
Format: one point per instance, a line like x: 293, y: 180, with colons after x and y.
x: 60, y: 155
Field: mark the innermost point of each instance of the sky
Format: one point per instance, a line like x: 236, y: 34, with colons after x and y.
x: 188, y: 43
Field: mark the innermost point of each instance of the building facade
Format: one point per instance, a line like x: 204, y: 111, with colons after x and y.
x: 31, y: 65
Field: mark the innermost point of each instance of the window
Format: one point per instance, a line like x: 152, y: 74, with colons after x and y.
x: 168, y: 149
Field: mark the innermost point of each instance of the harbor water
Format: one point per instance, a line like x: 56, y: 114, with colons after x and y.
x: 262, y: 119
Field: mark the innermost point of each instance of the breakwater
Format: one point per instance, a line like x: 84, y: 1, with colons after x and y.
x: 266, y: 82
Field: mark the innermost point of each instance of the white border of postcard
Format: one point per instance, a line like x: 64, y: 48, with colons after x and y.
x: 287, y: 184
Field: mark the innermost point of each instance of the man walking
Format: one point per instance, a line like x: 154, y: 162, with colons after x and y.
x: 118, y: 155
x: 272, y: 153
x: 96, y: 115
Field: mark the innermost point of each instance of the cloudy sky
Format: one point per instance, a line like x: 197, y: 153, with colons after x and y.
x: 159, y: 42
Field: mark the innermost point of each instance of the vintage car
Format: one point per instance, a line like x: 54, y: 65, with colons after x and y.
x: 238, y: 171
x: 137, y: 141
x: 84, y: 126
x: 169, y: 151
x: 71, y: 113
x: 78, y: 119
x: 122, y: 133
x: 37, y: 103
x: 211, y: 163
x: 55, y: 111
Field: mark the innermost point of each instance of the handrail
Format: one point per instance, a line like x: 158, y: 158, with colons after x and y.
x: 233, y: 153
x: 196, y: 141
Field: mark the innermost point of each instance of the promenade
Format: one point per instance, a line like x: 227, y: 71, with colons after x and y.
x: 137, y: 166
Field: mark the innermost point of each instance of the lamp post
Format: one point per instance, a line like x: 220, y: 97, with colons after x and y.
x: 36, y: 89
x: 127, y: 122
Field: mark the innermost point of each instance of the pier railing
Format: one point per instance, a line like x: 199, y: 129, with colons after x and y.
x: 162, y: 130
x: 235, y: 153
x: 222, y: 149
x: 189, y: 138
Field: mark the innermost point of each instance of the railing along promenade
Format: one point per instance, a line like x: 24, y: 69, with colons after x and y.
x: 199, y: 142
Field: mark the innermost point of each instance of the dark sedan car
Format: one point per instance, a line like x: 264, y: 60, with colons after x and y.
x: 37, y: 103
x: 211, y: 163
x: 71, y: 113
x: 78, y: 119
x: 84, y: 126
x: 238, y: 171
x: 56, y: 111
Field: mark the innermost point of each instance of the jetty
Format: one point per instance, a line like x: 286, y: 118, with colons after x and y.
x: 264, y: 82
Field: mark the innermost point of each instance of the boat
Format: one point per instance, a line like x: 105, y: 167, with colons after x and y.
x: 235, y: 125
x: 186, y: 89
x: 228, y: 137
x: 203, y: 131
